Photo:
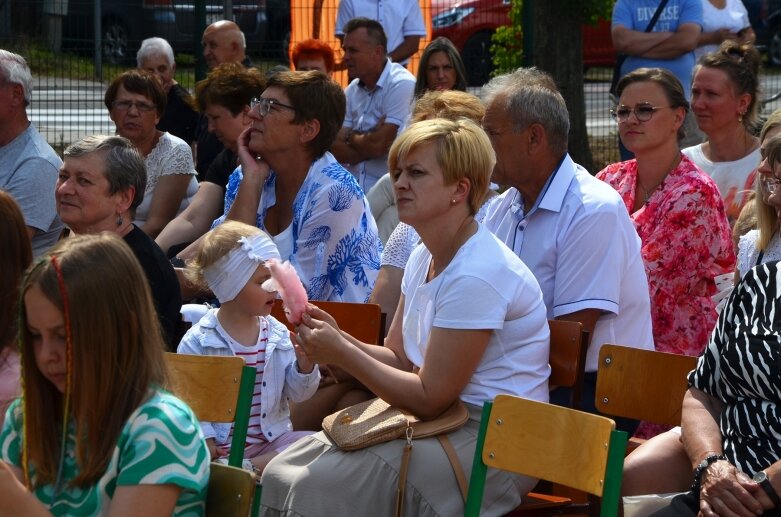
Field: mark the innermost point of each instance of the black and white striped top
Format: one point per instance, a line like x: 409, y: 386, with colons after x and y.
x: 741, y: 366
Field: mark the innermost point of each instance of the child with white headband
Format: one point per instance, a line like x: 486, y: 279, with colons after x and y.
x: 231, y: 262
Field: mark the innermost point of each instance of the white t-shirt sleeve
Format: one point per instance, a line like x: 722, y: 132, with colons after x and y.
x: 457, y: 309
x: 413, y: 22
x: 344, y: 15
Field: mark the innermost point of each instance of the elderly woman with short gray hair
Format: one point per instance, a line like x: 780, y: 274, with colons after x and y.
x: 180, y: 119
x: 100, y: 185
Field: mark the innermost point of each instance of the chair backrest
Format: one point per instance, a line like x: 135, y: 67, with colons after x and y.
x: 554, y: 443
x: 642, y: 384
x: 230, y: 491
x: 218, y: 389
x: 363, y: 321
x: 568, y: 345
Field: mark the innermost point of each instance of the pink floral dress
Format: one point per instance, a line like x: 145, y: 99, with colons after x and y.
x: 685, y: 244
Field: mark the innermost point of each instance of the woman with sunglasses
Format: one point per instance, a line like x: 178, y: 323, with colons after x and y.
x: 136, y: 101
x: 724, y: 98
x: 676, y: 208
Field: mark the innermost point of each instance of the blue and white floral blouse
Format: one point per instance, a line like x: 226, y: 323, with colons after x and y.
x: 335, y: 244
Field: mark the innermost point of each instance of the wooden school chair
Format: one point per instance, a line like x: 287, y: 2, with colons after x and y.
x: 230, y: 491
x: 553, y: 443
x: 642, y: 384
x: 363, y: 321
x: 568, y: 346
x: 218, y: 389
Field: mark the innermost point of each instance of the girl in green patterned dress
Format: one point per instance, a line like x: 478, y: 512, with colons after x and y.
x: 94, y: 433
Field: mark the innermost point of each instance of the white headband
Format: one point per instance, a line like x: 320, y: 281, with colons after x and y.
x: 230, y: 274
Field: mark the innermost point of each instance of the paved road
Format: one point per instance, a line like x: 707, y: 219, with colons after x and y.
x: 65, y: 111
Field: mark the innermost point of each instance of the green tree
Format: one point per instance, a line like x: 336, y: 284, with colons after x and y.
x: 558, y: 49
x: 507, y: 42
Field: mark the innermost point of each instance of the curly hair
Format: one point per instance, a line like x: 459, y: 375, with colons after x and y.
x: 230, y: 85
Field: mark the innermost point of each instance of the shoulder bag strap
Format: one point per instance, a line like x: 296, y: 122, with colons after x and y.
x: 656, y: 16
x: 622, y: 57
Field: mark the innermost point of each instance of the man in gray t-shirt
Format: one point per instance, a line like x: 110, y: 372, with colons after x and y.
x: 28, y: 164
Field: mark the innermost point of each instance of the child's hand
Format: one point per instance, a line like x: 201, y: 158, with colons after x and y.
x: 305, y: 365
x: 216, y: 451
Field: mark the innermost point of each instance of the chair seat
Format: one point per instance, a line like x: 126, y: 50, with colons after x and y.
x: 537, y: 501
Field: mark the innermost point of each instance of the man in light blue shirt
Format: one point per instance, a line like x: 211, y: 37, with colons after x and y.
x: 572, y: 230
x: 379, y: 101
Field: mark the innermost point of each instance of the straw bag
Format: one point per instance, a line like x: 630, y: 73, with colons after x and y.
x: 375, y: 421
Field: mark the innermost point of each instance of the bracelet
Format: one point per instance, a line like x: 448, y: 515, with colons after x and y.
x: 709, y: 460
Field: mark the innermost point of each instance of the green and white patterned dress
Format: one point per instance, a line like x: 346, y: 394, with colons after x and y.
x: 161, y: 443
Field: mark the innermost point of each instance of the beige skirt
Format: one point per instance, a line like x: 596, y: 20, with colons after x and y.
x: 315, y: 478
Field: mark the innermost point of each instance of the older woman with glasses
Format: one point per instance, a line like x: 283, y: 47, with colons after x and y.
x: 291, y: 187
x: 136, y: 101
x: 676, y: 208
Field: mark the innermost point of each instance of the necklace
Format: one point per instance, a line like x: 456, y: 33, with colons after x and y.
x: 648, y: 191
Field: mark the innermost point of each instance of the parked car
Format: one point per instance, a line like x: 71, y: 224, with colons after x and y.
x: 469, y: 24
x: 125, y: 23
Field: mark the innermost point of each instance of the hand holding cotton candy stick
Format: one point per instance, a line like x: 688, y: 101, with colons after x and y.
x: 284, y: 280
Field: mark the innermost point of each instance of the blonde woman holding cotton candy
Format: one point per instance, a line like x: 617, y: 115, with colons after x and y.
x: 233, y: 263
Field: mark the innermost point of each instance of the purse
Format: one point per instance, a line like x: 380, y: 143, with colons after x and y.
x: 375, y: 421
x: 620, y: 58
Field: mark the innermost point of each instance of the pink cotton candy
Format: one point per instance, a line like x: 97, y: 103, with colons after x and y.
x: 290, y: 288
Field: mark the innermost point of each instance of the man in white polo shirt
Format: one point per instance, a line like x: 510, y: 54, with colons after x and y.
x: 571, y: 230
x: 379, y: 101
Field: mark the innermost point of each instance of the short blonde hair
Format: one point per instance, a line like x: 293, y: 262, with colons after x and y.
x: 449, y: 104
x: 216, y: 244
x: 463, y: 152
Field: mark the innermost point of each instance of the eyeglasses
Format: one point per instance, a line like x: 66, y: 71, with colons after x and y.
x: 263, y: 105
x: 143, y: 107
x: 643, y: 111
x: 771, y: 184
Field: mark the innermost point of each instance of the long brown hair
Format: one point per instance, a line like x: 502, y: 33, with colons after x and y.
x: 15, y: 256
x: 117, y: 353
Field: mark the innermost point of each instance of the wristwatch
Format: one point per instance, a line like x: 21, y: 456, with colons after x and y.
x: 709, y: 460
x: 761, y: 478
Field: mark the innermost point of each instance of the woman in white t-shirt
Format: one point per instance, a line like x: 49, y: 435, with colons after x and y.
x: 471, y: 324
x: 724, y: 99
x: 723, y: 20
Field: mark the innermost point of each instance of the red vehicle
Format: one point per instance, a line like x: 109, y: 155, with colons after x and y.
x: 469, y: 24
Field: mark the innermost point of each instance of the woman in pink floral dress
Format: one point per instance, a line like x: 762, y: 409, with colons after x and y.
x: 677, y: 210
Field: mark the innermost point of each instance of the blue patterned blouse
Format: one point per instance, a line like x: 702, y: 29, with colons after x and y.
x: 336, y: 246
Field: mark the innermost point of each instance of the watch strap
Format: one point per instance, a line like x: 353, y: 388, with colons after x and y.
x: 770, y: 491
